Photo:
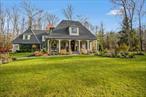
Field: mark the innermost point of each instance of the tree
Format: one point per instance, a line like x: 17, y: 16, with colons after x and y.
x: 30, y: 11
x: 111, y: 40
x: 15, y: 21
x: 38, y: 21
x: 52, y: 19
x: 2, y: 25
x: 68, y: 12
x: 128, y: 10
x: 100, y: 37
x: 140, y: 14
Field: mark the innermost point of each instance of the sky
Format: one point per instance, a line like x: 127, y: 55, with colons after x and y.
x: 96, y: 11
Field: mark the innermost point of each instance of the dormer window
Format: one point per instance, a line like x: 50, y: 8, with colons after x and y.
x: 73, y: 30
x: 26, y: 37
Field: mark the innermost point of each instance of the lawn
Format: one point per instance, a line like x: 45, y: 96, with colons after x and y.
x: 74, y: 76
x: 19, y: 55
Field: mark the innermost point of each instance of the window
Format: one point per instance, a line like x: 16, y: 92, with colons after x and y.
x: 26, y: 37
x: 43, y: 38
x: 74, y: 31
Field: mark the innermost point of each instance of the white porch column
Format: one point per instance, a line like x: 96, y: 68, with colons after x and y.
x: 88, y: 46
x: 96, y: 46
x: 79, y: 45
x: 59, y: 45
x: 48, y: 45
x: 91, y: 46
x: 69, y: 45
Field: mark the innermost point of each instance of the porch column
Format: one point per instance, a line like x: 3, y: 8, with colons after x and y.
x: 88, y: 47
x: 91, y: 46
x: 96, y: 45
x: 69, y: 45
x: 59, y: 45
x: 48, y: 46
x: 79, y: 45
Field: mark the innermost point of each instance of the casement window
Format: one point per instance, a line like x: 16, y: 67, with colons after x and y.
x: 74, y: 31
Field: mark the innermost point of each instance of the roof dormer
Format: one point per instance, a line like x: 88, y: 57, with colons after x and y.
x: 26, y: 37
x: 73, y: 30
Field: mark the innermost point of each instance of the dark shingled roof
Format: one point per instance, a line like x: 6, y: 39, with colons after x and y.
x: 60, y: 32
x: 36, y: 37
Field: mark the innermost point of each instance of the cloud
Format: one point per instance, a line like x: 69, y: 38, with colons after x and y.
x: 115, y: 12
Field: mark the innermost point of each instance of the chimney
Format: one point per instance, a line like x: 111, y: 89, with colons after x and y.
x: 50, y: 28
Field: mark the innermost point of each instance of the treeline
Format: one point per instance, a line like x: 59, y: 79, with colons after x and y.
x: 132, y: 35
x: 13, y: 21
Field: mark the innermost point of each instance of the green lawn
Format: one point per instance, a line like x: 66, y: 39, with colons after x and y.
x: 76, y: 76
x: 18, y: 55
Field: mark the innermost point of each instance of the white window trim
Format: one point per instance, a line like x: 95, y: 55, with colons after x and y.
x: 73, y: 34
x: 28, y: 37
x: 43, y: 38
x: 24, y: 37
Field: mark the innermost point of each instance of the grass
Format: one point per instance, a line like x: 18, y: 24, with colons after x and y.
x: 74, y: 76
x: 18, y: 55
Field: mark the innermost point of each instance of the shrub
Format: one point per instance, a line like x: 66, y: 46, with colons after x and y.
x: 14, y: 59
x: 139, y: 53
x: 4, y: 49
x: 131, y: 55
x: 5, y: 58
x: 44, y: 51
x: 122, y: 48
x: 37, y: 53
x: 84, y: 51
x: 63, y: 52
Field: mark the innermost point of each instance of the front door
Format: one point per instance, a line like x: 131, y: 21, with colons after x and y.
x: 73, y: 45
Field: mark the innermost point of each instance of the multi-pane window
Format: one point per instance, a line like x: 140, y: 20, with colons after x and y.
x: 74, y: 31
x: 26, y: 37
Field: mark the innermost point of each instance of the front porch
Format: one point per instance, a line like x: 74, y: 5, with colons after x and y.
x: 58, y: 46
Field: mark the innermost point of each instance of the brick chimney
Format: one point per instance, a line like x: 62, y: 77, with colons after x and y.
x: 50, y: 27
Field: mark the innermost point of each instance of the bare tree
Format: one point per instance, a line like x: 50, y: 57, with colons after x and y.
x: 84, y: 20
x: 140, y: 14
x: 128, y: 7
x: 52, y: 19
x: 2, y: 19
x: 15, y: 21
x: 30, y: 11
x: 2, y: 25
x: 38, y: 21
x: 22, y: 25
x: 68, y: 12
x: 131, y: 5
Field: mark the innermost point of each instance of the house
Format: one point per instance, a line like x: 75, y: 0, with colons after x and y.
x: 68, y: 35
